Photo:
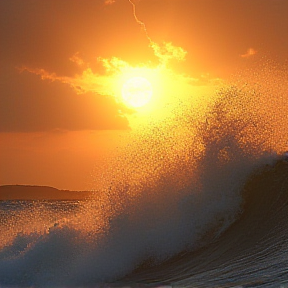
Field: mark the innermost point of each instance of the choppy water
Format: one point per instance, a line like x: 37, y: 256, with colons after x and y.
x: 252, y: 252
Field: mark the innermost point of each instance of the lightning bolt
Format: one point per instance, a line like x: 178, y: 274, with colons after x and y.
x: 142, y: 24
x: 164, y: 53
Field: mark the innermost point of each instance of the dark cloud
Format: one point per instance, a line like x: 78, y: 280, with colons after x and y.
x: 45, y: 34
x: 29, y: 104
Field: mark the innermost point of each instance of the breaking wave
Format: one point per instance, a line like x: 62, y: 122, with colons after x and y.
x: 198, y: 199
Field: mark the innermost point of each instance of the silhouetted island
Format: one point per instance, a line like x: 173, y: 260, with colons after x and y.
x: 26, y: 192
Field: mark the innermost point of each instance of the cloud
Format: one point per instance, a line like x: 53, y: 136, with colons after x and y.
x: 87, y: 80
x: 109, y: 2
x: 82, y: 83
x: 107, y: 82
x: 77, y: 59
x: 249, y: 53
x: 167, y: 52
x: 50, y: 106
x: 75, y: 89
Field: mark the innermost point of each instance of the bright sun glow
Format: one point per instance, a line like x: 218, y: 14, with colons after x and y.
x: 137, y: 92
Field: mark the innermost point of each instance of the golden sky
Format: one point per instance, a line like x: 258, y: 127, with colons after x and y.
x: 64, y: 64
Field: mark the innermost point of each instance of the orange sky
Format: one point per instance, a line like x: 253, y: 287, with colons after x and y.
x: 63, y: 62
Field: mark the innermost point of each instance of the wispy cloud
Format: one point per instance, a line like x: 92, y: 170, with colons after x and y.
x: 249, y: 53
x: 109, y: 2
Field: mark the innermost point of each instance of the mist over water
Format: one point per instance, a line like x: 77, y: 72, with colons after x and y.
x: 176, y: 186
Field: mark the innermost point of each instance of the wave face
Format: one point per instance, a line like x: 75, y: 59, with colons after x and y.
x: 252, y: 252
x: 198, y: 200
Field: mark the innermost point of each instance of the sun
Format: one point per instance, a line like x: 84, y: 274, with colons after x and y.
x: 137, y: 92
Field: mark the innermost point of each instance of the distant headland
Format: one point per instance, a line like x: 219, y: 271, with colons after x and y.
x: 26, y: 192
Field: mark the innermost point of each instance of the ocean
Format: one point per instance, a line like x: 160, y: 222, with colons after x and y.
x: 199, y: 201
x: 43, y: 244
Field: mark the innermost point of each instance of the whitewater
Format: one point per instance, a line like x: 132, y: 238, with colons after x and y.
x: 198, y: 200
